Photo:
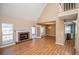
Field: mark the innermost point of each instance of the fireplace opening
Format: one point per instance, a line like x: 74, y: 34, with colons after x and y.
x: 23, y: 36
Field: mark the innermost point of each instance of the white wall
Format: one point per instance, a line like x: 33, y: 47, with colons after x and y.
x: 0, y: 33
x: 50, y: 12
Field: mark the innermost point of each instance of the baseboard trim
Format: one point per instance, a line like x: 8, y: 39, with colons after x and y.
x: 59, y: 43
x: 38, y: 37
x: 76, y: 52
x: 7, y: 45
x: 50, y: 35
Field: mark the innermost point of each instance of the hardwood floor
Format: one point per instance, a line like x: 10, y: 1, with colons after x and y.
x: 44, y: 46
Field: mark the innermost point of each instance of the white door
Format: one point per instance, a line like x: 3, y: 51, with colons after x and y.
x: 38, y: 31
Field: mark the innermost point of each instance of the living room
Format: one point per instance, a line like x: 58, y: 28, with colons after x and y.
x: 38, y: 26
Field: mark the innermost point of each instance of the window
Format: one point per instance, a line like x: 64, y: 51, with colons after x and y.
x: 68, y: 29
x: 7, y: 33
x: 33, y: 30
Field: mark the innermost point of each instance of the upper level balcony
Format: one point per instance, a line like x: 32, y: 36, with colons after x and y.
x: 68, y: 9
x: 69, y: 6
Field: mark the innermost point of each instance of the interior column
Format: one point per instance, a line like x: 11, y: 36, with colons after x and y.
x: 0, y: 34
x: 77, y: 37
x: 60, y: 32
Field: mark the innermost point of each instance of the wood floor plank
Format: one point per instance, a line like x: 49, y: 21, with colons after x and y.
x: 43, y: 46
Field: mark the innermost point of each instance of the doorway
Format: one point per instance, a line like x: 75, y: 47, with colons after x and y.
x: 33, y: 32
x: 70, y: 31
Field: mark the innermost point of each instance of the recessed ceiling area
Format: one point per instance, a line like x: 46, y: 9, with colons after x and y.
x: 24, y: 11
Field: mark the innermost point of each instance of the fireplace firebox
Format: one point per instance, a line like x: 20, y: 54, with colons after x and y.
x: 23, y: 36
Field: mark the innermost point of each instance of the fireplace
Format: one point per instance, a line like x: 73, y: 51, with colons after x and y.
x: 23, y: 36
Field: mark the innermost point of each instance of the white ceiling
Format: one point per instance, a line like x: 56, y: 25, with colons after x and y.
x: 26, y: 11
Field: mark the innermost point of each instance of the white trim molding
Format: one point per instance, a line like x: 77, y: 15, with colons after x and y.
x: 7, y: 45
x: 59, y: 43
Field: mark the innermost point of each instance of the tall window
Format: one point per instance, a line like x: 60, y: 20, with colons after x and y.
x: 7, y: 33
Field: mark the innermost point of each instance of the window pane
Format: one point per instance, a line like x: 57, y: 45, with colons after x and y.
x: 7, y: 29
x: 7, y: 37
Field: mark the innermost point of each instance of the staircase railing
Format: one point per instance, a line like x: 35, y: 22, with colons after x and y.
x: 69, y: 6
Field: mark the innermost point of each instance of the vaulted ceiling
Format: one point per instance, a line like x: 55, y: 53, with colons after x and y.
x: 24, y: 11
